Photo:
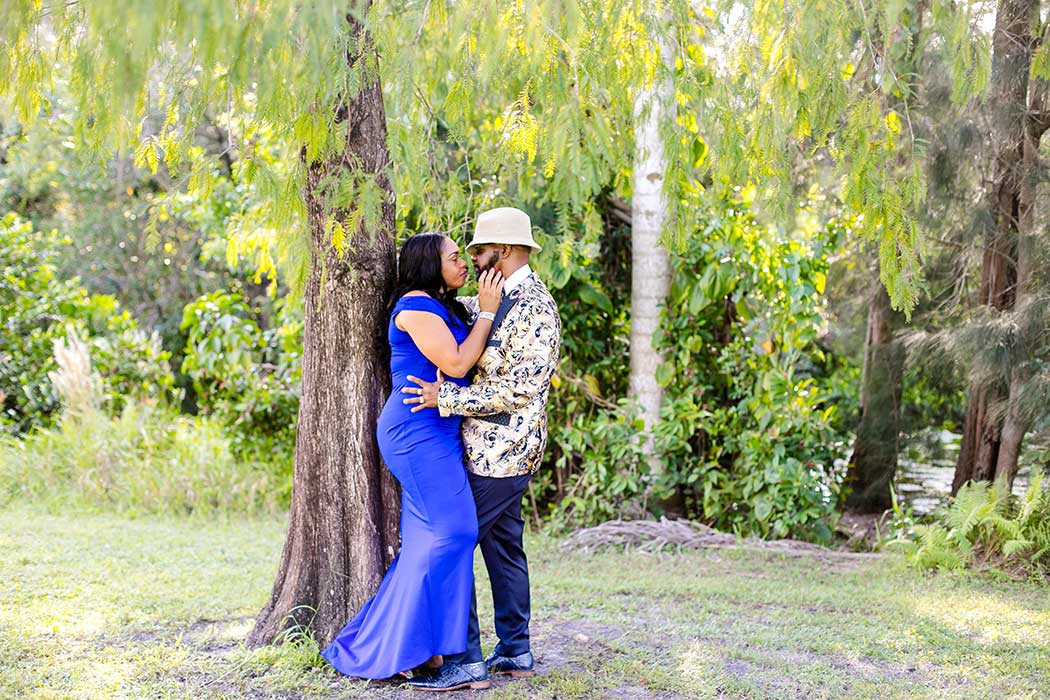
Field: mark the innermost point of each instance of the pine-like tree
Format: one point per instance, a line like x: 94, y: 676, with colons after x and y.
x: 1018, y: 120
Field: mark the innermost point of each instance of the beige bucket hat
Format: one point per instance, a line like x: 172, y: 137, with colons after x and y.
x: 505, y: 225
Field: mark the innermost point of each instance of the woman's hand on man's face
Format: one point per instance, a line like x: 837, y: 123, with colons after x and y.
x: 490, y: 290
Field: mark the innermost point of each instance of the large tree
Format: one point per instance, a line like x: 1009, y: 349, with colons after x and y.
x: 343, y: 524
x: 1018, y: 120
x: 304, y: 77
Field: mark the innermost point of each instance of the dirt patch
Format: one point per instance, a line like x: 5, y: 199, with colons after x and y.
x: 570, y: 644
x: 564, y: 646
x: 861, y: 532
x: 569, y: 648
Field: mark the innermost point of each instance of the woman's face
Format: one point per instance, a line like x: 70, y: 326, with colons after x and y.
x: 453, y: 266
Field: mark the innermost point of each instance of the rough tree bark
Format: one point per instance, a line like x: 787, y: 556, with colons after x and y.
x: 1011, y: 61
x: 343, y: 526
x: 650, y: 264
x: 1016, y: 423
x: 874, y: 460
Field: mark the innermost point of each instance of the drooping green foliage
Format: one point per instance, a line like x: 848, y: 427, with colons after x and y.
x: 517, y: 101
x: 762, y: 90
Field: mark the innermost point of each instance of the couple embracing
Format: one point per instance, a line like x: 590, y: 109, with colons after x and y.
x: 463, y: 448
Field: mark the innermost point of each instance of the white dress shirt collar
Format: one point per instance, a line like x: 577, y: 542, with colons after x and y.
x: 516, y: 278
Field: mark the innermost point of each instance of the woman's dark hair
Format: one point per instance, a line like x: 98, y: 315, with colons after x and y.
x: 419, y: 268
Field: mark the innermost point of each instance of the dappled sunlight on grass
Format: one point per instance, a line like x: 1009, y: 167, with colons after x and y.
x: 989, y: 619
x: 97, y: 606
x: 701, y: 666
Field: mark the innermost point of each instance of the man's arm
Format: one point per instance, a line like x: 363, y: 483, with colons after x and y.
x: 532, y: 354
x: 471, y: 304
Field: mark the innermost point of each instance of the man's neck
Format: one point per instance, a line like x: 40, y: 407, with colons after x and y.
x: 508, y: 268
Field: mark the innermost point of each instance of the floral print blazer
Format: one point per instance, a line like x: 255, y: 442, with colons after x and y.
x: 505, y: 407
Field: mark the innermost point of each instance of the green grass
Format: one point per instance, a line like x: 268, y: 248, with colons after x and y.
x: 149, y: 459
x: 103, y: 606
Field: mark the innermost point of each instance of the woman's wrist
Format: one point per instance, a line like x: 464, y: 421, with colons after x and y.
x: 487, y: 315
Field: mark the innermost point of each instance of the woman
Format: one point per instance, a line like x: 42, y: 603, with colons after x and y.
x: 419, y: 613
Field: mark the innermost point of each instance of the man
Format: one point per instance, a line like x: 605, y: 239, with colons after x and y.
x: 504, y: 433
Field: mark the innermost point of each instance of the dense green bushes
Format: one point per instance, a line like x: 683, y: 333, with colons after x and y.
x: 125, y: 448
x: 747, y: 439
x: 246, y: 377
x: 147, y: 459
x: 37, y: 308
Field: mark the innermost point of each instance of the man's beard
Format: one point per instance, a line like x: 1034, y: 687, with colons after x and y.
x: 488, y: 263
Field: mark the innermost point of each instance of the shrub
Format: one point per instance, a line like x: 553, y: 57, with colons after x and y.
x: 748, y: 438
x: 147, y: 460
x: 610, y: 471
x: 246, y: 378
x: 984, y: 526
x: 37, y: 309
x: 747, y: 432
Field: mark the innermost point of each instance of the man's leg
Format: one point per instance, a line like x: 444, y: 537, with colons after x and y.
x: 492, y: 497
x: 473, y: 650
x: 508, y: 570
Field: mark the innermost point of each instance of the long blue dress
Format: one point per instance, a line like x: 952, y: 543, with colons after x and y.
x: 421, y: 607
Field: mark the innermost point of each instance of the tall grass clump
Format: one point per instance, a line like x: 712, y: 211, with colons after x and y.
x: 149, y: 459
x: 986, y: 527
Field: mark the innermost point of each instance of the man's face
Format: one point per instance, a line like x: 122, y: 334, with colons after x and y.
x: 484, y: 257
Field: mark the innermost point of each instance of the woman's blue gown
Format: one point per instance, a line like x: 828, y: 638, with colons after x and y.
x: 421, y: 607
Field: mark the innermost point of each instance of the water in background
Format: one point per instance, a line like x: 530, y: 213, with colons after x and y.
x: 927, y: 465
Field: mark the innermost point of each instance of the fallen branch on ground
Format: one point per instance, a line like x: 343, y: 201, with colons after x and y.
x: 654, y: 537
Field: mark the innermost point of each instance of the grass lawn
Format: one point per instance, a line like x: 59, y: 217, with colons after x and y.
x: 97, y: 606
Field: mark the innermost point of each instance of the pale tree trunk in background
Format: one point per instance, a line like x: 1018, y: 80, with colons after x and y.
x: 1016, y: 423
x: 343, y: 526
x: 1011, y: 62
x: 874, y: 460
x: 654, y: 105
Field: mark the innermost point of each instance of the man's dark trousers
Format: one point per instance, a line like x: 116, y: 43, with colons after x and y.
x: 500, y: 528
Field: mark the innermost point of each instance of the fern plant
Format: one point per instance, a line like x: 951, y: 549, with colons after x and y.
x: 985, y: 526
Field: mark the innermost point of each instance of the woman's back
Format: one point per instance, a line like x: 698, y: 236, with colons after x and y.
x: 406, y: 359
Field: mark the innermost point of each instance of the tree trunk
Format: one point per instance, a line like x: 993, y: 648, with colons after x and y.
x: 873, y: 464
x: 874, y: 461
x: 1011, y: 60
x: 343, y: 525
x: 1016, y: 423
x: 650, y: 264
